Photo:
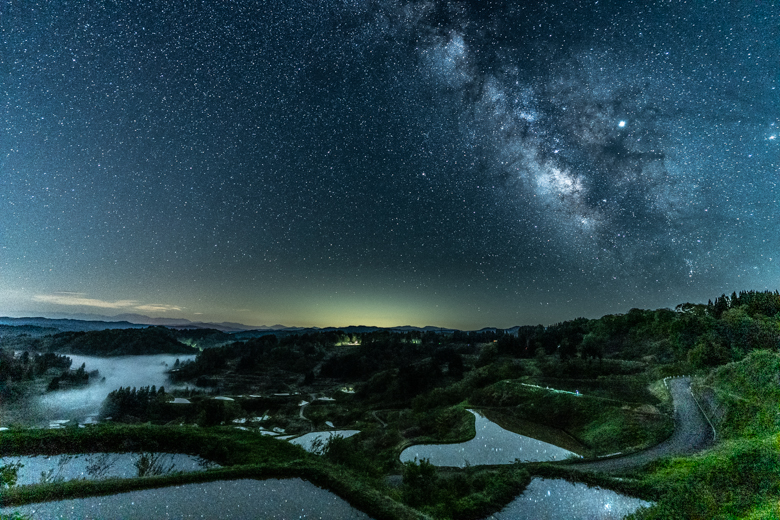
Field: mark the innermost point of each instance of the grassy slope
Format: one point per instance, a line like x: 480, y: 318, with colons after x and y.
x: 603, y: 425
x: 740, y: 477
x: 743, y: 399
x: 468, y: 494
x: 728, y: 481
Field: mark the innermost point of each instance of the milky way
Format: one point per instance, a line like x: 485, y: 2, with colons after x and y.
x: 460, y: 164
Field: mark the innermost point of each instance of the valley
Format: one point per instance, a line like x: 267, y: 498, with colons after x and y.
x: 647, y: 404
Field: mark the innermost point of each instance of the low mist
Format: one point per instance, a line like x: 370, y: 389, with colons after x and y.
x: 124, y: 371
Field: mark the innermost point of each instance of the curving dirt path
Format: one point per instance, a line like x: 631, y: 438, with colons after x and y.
x: 692, y: 433
x: 300, y: 414
x: 383, y: 423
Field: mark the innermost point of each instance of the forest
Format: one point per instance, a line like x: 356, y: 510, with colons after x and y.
x: 404, y: 389
x: 113, y: 342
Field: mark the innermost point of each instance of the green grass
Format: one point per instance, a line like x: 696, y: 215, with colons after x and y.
x: 737, y: 478
x: 377, y: 450
x: 740, y: 477
x: 224, y: 445
x: 509, y: 420
x: 339, y: 481
x: 629, y: 389
x: 444, y: 425
x: 246, y: 455
x: 13, y: 516
x: 461, y: 495
x: 768, y: 511
x: 602, y: 425
x: 743, y: 398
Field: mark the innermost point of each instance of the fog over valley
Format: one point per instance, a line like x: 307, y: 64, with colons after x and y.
x: 122, y: 371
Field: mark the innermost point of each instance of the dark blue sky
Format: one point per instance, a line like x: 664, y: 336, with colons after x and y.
x: 461, y: 164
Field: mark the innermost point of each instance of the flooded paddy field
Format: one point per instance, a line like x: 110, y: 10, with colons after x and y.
x: 314, y: 440
x: 36, y: 469
x: 491, y: 445
x: 556, y: 498
x: 231, y: 499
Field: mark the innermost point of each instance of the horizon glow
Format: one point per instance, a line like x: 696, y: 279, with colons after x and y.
x: 397, y: 162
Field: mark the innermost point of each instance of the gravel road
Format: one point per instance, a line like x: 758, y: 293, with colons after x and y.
x: 692, y: 433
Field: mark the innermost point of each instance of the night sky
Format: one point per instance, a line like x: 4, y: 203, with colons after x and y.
x: 387, y: 162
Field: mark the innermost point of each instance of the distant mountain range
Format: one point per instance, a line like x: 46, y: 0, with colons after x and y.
x: 83, y: 322
x: 54, y: 325
x: 86, y: 322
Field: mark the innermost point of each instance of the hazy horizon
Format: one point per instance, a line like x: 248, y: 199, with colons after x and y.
x: 456, y: 164
x: 125, y: 316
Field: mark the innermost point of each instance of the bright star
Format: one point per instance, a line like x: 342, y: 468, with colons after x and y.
x: 622, y: 124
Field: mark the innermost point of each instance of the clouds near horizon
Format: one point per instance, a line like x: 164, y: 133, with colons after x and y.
x: 71, y: 299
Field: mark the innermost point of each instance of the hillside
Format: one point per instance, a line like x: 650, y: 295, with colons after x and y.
x: 118, y: 342
x: 594, y: 386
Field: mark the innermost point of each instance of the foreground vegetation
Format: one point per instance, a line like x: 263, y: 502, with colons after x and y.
x: 466, y: 494
x: 592, y: 386
x: 740, y: 477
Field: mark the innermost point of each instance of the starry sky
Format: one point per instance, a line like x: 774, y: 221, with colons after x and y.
x: 386, y: 162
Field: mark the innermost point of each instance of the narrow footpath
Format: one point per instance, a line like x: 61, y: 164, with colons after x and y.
x: 300, y: 414
x: 383, y: 423
x: 692, y: 433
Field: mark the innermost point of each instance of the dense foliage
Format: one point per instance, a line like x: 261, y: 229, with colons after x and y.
x: 73, y: 378
x: 112, y: 342
x: 464, y: 494
x: 118, y: 342
x: 131, y: 403
x: 595, y: 384
x: 27, y: 366
x: 15, y: 369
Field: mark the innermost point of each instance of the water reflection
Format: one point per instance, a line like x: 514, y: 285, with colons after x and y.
x: 545, y: 498
x: 235, y: 499
x: 314, y: 441
x: 491, y: 445
x: 91, y: 466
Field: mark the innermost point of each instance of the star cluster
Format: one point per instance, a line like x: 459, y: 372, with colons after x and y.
x: 462, y: 164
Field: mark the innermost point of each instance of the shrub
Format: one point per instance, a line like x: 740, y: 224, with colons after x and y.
x: 420, y: 483
x: 9, y: 474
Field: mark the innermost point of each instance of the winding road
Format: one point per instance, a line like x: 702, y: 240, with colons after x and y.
x: 692, y: 433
